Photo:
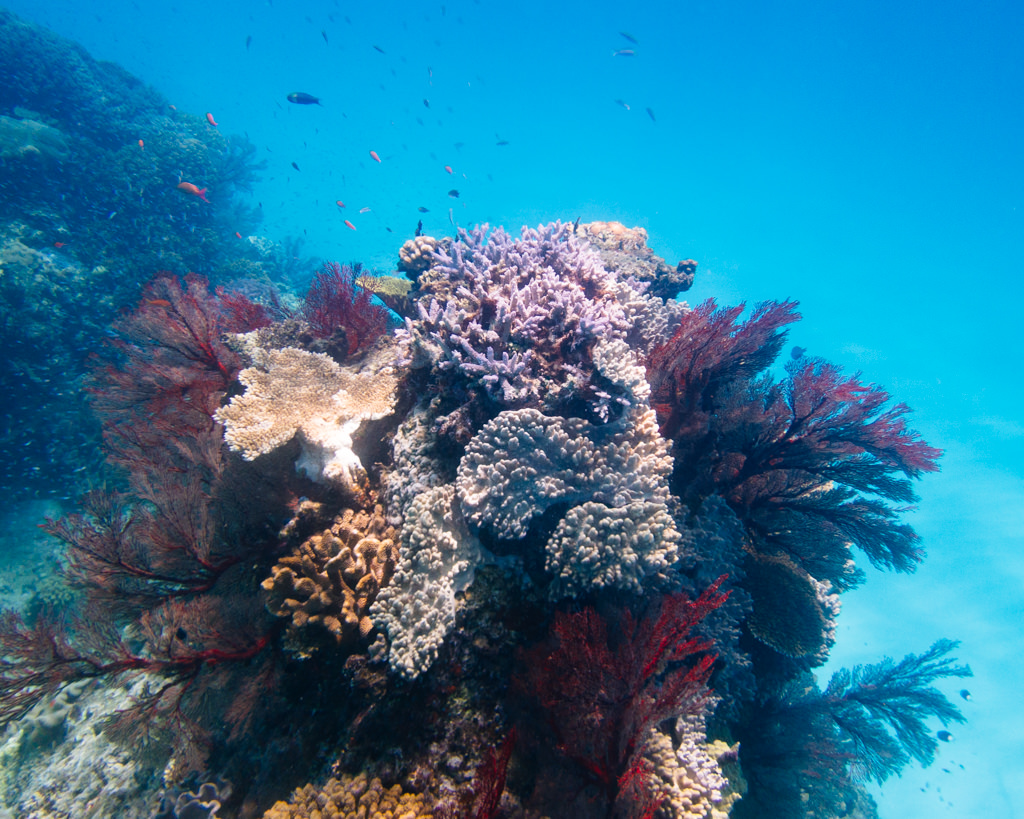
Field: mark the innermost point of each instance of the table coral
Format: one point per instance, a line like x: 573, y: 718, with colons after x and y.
x: 356, y: 797
x: 293, y: 392
x: 332, y: 578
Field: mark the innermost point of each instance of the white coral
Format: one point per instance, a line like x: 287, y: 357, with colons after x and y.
x: 293, y: 392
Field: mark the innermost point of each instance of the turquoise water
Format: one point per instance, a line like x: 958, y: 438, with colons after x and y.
x: 864, y: 160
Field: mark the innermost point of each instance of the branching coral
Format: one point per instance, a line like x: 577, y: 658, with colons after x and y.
x: 293, y: 392
x: 331, y: 579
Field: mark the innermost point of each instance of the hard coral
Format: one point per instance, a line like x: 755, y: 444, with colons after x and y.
x: 293, y: 392
x: 331, y: 579
x: 356, y: 797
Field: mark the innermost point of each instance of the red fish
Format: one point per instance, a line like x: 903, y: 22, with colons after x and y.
x: 340, y: 204
x: 59, y: 245
x: 373, y: 155
x: 349, y: 224
x: 239, y: 235
x: 142, y: 145
x: 188, y: 187
x: 158, y: 302
x: 209, y: 119
x: 448, y: 168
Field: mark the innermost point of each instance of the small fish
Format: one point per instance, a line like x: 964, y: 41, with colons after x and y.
x: 797, y: 353
x: 426, y: 103
x: 324, y: 35
x: 301, y: 98
x: 650, y: 113
x: 389, y: 230
x: 296, y: 166
x: 381, y: 50
x: 349, y: 224
x: 142, y: 145
x: 454, y: 194
x: 576, y: 224
x: 340, y: 204
x: 629, y: 37
x: 248, y: 42
x: 448, y: 168
x: 624, y: 52
x: 364, y: 210
x: 238, y: 235
x: 451, y: 217
x: 945, y: 736
x: 501, y: 142
x: 374, y: 157
x: 188, y: 187
x: 966, y: 694
x: 210, y: 119
x: 59, y: 245
x: 181, y: 634
x: 623, y: 104
x: 158, y: 302
x: 422, y: 209
x: 419, y: 228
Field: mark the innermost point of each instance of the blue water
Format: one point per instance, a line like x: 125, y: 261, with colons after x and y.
x: 865, y: 159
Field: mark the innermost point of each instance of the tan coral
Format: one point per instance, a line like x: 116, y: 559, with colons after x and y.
x: 332, y: 578
x: 614, y: 236
x: 356, y: 797
x: 416, y: 255
x: 294, y: 392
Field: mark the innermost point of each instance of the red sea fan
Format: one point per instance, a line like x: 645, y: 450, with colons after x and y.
x: 335, y: 301
x: 603, y: 696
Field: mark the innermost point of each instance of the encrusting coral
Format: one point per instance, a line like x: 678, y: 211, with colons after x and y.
x: 332, y: 578
x: 356, y: 797
x: 291, y: 392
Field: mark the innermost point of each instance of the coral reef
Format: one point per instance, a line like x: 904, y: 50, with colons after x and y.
x: 292, y: 392
x: 416, y: 255
x: 357, y: 796
x: 439, y: 556
x: 331, y: 580
x: 625, y: 251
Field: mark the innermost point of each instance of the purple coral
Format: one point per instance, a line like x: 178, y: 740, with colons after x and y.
x: 523, y: 313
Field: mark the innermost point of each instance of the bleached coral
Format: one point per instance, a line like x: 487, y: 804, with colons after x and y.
x: 293, y: 392
x: 438, y: 557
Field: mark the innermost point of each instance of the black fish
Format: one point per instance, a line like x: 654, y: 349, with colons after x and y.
x: 324, y: 35
x: 575, y: 225
x: 422, y: 209
x: 623, y: 103
x: 650, y: 113
x: 501, y: 142
x: 248, y: 42
x: 453, y: 193
x: 381, y: 50
x: 426, y: 103
x: 295, y: 165
x: 419, y: 228
x: 945, y: 736
x: 797, y: 353
x: 965, y: 694
x: 629, y: 37
x: 301, y: 98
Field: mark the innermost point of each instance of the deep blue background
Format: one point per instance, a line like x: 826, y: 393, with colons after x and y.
x: 862, y: 158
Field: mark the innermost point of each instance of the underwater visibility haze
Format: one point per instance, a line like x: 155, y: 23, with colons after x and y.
x: 472, y: 410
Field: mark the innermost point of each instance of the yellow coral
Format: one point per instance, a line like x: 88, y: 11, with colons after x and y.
x: 355, y: 797
x: 385, y: 285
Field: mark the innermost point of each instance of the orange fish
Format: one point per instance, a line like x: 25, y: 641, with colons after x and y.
x: 142, y: 145
x: 188, y: 187
x: 59, y: 245
x: 239, y: 235
x: 448, y: 168
x: 158, y: 302
x: 347, y: 222
x: 373, y: 155
x: 209, y: 119
x: 340, y: 204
